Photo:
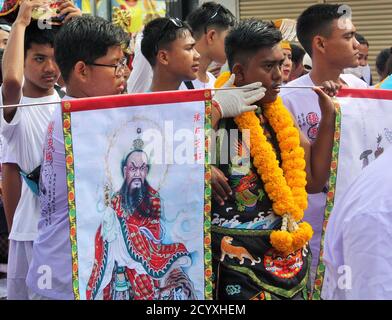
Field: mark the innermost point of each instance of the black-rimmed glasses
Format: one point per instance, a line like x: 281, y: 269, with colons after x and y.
x: 176, y: 22
x: 119, y: 67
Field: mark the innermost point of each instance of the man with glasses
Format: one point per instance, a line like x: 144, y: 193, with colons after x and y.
x: 89, y: 53
x: 29, y: 76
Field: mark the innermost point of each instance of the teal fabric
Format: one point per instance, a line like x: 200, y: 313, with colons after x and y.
x: 33, y: 186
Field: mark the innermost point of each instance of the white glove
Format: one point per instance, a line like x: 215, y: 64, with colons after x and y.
x: 234, y: 102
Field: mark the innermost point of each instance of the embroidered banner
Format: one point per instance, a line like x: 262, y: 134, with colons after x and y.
x: 139, y: 195
x: 363, y: 132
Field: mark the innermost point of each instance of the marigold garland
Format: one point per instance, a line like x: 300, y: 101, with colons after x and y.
x: 285, y: 186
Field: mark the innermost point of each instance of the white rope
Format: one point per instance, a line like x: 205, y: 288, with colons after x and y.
x: 40, y: 104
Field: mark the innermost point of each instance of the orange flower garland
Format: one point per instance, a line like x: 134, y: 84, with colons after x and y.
x: 285, y: 186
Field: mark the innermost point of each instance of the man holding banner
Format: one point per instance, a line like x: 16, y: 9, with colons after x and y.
x: 30, y: 74
x: 328, y: 36
x: 259, y: 243
x: 87, y: 73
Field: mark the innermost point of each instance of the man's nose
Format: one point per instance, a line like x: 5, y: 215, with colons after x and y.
x: 356, y: 43
x: 277, y: 73
x: 196, y: 56
x: 50, y: 66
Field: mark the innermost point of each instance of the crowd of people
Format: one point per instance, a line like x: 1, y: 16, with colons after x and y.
x: 291, y: 139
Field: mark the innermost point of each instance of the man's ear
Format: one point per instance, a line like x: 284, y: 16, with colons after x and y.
x: 124, y: 171
x: 318, y: 44
x: 163, y: 57
x: 210, y: 36
x: 239, y: 71
x: 81, y: 71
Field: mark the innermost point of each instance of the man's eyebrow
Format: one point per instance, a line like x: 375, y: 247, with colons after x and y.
x: 349, y: 33
x: 272, y: 61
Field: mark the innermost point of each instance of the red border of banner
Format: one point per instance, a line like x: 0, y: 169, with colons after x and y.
x: 132, y: 100
x: 365, y: 93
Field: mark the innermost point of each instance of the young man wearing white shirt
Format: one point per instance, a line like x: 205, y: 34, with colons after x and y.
x: 87, y: 73
x: 29, y: 76
x: 329, y: 38
x: 210, y: 24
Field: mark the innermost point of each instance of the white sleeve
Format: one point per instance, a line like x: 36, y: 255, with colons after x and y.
x: 367, y: 256
x: 7, y: 128
x: 141, y: 74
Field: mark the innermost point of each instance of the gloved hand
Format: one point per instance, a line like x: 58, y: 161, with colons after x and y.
x: 234, y: 102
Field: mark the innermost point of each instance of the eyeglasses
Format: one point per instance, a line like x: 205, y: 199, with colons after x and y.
x: 176, y: 22
x: 119, y: 67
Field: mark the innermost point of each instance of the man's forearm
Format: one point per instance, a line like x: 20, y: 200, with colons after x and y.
x: 12, y: 185
x: 321, y: 154
x: 13, y: 67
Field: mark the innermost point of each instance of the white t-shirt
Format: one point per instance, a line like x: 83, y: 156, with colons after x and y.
x: 357, y: 252
x: 197, y: 84
x: 141, y: 76
x: 303, y: 104
x: 23, y: 140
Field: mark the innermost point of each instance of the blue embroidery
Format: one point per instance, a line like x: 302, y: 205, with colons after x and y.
x: 233, y: 289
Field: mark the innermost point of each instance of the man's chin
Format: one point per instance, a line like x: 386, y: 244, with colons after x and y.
x: 135, y: 187
x: 268, y: 98
x: 355, y: 64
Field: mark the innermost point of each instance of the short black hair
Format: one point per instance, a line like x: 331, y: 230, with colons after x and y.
x: 210, y: 14
x: 85, y: 38
x: 317, y: 20
x: 361, y: 39
x: 389, y: 63
x: 381, y: 60
x: 248, y: 37
x: 35, y: 34
x: 297, y: 54
x: 159, y: 33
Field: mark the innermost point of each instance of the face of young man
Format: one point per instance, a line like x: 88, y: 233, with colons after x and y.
x: 103, y: 80
x: 265, y: 66
x: 217, y: 46
x: 287, y: 65
x: 182, y: 57
x: 363, y: 55
x: 341, y: 47
x: 40, y: 70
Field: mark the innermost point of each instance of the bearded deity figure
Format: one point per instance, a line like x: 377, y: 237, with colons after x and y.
x: 131, y: 261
